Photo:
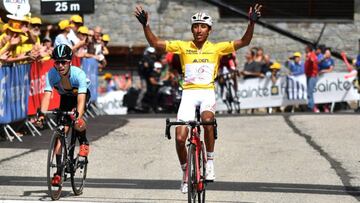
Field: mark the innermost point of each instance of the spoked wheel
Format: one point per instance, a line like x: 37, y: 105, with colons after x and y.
x: 202, y: 167
x: 53, y: 165
x: 192, y: 183
x: 78, y: 168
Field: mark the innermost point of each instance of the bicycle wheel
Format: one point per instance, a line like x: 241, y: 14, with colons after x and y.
x: 78, y: 167
x: 52, y: 167
x: 202, y: 167
x: 192, y: 183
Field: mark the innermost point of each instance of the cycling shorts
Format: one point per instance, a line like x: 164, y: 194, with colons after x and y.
x: 191, y: 98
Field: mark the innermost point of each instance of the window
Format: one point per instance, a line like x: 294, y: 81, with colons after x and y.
x: 296, y: 9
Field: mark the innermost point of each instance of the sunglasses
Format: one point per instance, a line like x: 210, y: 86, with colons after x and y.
x: 62, y: 62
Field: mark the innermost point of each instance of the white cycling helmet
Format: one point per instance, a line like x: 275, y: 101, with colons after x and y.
x: 203, y: 18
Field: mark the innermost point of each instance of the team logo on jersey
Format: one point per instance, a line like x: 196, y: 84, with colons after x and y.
x: 201, y: 61
x: 190, y: 51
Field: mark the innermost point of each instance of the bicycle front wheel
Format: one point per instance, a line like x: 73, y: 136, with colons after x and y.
x: 192, y: 182
x: 78, y: 167
x: 54, y: 165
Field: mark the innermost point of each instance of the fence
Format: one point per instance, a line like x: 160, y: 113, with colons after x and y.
x: 22, y: 87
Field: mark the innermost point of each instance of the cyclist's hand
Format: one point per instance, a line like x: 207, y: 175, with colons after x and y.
x: 255, y: 13
x: 141, y: 15
x: 80, y: 124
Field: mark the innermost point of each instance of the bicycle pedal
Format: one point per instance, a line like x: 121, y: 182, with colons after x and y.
x: 209, y: 181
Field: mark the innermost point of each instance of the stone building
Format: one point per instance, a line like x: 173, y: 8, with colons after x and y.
x: 170, y: 19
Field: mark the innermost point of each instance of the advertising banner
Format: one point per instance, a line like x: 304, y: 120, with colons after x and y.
x: 112, y: 103
x: 37, y: 85
x: 291, y: 90
x: 14, y: 92
x: 90, y: 66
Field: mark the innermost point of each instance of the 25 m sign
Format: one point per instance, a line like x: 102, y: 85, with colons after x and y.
x: 67, y: 6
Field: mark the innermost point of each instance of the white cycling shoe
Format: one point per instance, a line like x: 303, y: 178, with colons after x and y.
x: 184, y: 187
x: 184, y: 184
x: 210, y: 172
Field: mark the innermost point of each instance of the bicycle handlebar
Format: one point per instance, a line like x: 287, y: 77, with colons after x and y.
x: 59, y: 112
x: 189, y: 123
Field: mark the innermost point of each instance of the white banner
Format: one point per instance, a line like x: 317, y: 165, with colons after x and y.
x: 335, y: 87
x: 112, y: 103
x: 290, y: 90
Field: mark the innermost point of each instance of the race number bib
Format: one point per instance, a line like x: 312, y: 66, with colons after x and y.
x: 200, y: 73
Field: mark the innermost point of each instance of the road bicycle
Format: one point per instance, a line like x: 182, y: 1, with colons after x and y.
x: 70, y: 163
x: 196, y: 160
x: 228, y: 94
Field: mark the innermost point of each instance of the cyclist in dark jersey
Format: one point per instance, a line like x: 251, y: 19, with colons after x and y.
x: 72, y: 85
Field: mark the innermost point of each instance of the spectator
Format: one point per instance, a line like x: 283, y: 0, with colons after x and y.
x: 62, y: 38
x: 320, y: 52
x: 311, y: 71
x: 76, y: 21
x: 106, y: 40
x: 153, y: 84
x: 82, y: 35
x: 110, y: 84
x: 46, y: 49
x: 326, y: 65
x: 295, y: 64
x: 35, y: 24
x: 266, y: 65
x: 98, y: 46
x: 251, y: 68
x: 275, y: 72
x: 145, y: 67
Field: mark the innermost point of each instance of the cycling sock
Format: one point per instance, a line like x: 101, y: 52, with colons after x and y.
x: 210, y: 157
x: 82, y: 137
x: 58, y: 164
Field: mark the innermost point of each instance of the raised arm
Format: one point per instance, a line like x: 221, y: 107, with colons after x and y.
x: 153, y: 40
x: 254, y: 15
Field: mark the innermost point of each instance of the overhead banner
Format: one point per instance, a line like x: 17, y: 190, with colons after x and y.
x: 90, y: 67
x: 14, y: 92
x: 291, y: 90
x: 37, y: 85
x: 112, y: 103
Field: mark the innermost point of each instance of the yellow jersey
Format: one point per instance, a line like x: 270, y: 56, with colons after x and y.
x: 199, y: 66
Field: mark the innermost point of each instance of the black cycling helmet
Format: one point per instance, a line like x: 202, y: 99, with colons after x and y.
x: 62, y: 52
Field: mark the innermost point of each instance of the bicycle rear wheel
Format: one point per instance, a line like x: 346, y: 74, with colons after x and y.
x: 52, y: 167
x: 192, y: 183
x: 78, y: 167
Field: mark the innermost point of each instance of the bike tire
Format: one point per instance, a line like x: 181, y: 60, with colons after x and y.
x: 55, y: 191
x: 202, y: 161
x: 192, y: 182
x: 78, y: 167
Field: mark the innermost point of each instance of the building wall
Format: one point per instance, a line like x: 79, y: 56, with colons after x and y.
x: 173, y: 22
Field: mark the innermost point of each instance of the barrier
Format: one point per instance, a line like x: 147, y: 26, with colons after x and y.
x: 112, y: 103
x: 90, y: 66
x: 292, y: 90
x: 14, y: 92
x: 37, y: 85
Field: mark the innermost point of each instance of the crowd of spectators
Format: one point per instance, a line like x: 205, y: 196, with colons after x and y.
x: 26, y: 39
x: 259, y: 64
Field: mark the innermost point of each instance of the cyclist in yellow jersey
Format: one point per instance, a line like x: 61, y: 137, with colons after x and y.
x: 199, y: 60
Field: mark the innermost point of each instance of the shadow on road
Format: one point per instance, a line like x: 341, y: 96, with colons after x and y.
x: 174, y: 185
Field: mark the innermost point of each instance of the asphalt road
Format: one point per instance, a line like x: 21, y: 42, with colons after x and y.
x: 281, y: 158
